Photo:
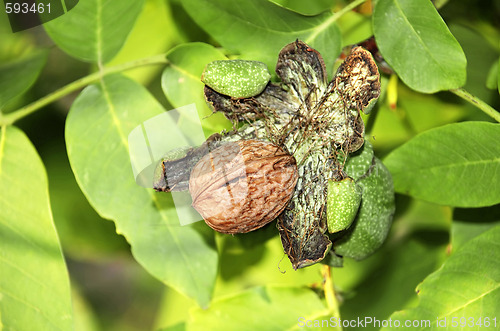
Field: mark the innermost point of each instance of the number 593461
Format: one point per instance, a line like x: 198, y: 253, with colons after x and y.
x: 25, y: 8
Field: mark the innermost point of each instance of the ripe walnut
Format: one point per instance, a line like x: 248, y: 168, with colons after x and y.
x: 242, y: 186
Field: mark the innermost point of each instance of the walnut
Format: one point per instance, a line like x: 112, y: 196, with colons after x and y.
x: 241, y: 186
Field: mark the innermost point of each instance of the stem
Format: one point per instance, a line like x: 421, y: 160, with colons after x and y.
x: 347, y: 8
x: 487, y: 109
x: 7, y: 119
x: 331, y: 300
x: 333, y: 19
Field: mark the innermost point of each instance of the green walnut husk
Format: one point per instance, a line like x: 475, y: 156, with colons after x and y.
x: 343, y: 202
x: 373, y: 221
x: 368, y: 109
x: 236, y: 78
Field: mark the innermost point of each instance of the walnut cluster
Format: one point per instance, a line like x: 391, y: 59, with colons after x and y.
x: 287, y: 143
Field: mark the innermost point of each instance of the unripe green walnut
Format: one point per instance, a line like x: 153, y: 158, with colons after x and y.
x: 236, y: 78
x: 374, y: 218
x: 343, y: 202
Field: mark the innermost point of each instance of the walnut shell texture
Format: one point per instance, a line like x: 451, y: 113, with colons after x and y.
x: 241, y: 186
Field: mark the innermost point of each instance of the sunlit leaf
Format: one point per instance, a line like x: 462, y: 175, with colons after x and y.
x: 468, y: 223
x: 261, y: 308
x: 153, y: 33
x: 422, y: 230
x: 498, y: 76
x: 17, y: 77
x: 492, y: 79
x: 417, y: 44
x: 355, y: 28
x: 414, y: 113
x: 94, y: 30
x: 96, y: 135
x: 456, y: 165
x: 181, y: 81
x: 176, y: 327
x: 258, y: 29
x: 34, y: 282
x: 465, y: 289
x: 400, y: 265
x: 83, y: 234
x: 247, y: 259
x: 314, y: 7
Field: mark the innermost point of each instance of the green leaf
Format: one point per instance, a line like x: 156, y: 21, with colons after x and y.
x: 420, y: 230
x: 468, y: 223
x: 415, y: 112
x: 34, y: 282
x: 417, y: 44
x: 248, y: 259
x: 83, y: 234
x: 314, y: 7
x: 181, y: 81
x: 456, y: 165
x: 355, y: 28
x: 258, y: 29
x: 398, y: 265
x: 18, y: 76
x: 492, y: 79
x: 467, y: 285
x: 261, y: 308
x: 148, y: 38
x: 96, y: 136
x: 176, y: 327
x: 85, y: 319
x: 478, y: 63
x: 95, y: 30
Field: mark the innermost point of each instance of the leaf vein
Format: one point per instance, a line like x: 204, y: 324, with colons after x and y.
x: 471, y: 301
x: 36, y: 309
x: 431, y: 54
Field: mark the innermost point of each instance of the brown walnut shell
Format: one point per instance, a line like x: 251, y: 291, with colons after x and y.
x: 241, y: 186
